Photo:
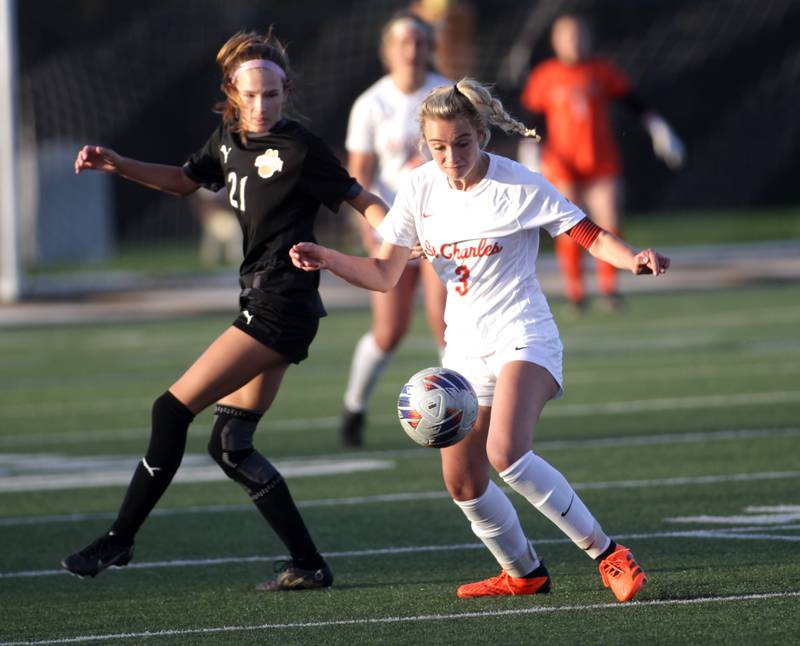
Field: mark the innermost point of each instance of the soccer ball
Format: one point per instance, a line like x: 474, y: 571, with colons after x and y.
x: 437, y: 407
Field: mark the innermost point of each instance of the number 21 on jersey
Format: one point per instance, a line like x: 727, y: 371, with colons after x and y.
x: 237, y: 199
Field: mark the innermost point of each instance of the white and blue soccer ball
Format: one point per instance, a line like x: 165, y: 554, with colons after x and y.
x: 437, y: 407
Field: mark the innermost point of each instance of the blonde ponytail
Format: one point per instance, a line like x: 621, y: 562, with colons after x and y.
x: 472, y: 100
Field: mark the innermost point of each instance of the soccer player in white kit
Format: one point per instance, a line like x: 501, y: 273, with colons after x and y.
x: 477, y: 218
x: 382, y: 148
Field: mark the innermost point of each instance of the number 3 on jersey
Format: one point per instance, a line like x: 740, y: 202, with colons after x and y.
x: 237, y: 201
x: 462, y: 271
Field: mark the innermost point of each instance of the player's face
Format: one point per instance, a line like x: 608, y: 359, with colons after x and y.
x: 455, y: 147
x: 570, y: 40
x: 261, y: 98
x: 406, y: 47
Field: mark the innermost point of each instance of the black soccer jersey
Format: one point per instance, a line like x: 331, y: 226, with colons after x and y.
x: 275, y: 184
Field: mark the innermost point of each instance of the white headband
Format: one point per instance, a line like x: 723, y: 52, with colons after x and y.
x: 258, y: 62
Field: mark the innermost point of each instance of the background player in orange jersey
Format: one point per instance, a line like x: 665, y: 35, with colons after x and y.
x: 579, y: 154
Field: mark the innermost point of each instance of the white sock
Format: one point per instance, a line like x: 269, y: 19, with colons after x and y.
x: 495, y: 521
x: 367, y: 365
x: 440, y: 353
x: 547, y: 490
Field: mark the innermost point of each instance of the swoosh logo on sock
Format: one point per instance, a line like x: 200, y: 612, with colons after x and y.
x: 566, y: 511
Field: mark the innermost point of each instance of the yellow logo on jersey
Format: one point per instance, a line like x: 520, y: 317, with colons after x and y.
x: 269, y: 163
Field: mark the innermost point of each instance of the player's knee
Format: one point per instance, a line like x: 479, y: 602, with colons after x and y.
x: 388, y: 340
x: 501, y: 457
x: 231, y: 440
x: 462, y: 488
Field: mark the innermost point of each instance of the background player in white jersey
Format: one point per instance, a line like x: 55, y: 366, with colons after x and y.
x: 276, y: 175
x: 382, y: 145
x: 477, y: 217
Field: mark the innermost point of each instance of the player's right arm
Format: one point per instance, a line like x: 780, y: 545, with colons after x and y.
x: 169, y: 179
x: 362, y: 167
x: 379, y: 273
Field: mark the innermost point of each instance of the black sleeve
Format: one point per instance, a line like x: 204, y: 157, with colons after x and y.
x: 324, y: 177
x: 634, y: 103
x: 204, y: 166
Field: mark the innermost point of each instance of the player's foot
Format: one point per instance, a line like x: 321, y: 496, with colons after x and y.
x: 107, y: 551
x: 622, y: 574
x: 613, y: 302
x: 576, y: 309
x: 290, y: 577
x: 538, y: 582
x: 351, y: 429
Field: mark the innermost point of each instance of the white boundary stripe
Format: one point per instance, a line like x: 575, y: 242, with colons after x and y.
x: 87, y: 478
x: 741, y: 598
x: 404, y: 497
x: 730, y: 533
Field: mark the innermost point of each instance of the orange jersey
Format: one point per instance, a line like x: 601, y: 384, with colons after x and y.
x: 575, y: 101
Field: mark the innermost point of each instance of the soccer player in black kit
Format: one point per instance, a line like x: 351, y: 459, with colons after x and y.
x: 276, y: 175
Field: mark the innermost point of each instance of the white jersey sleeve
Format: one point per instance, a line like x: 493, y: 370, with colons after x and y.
x: 529, y: 200
x: 399, y: 226
x: 548, y: 209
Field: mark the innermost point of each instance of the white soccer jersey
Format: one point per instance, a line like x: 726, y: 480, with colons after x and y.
x: 383, y: 122
x: 483, y: 244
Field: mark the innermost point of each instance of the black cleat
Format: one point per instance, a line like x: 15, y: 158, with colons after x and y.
x: 291, y: 577
x: 107, y: 551
x: 351, y: 429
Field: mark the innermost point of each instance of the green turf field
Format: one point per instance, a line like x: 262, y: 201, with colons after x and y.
x: 680, y: 429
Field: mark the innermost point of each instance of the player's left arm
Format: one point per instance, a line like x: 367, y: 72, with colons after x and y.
x: 605, y: 246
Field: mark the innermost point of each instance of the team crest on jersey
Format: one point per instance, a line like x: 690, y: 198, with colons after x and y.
x: 269, y: 163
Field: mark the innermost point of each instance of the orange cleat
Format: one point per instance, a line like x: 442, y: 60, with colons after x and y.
x: 622, y: 574
x: 505, y: 584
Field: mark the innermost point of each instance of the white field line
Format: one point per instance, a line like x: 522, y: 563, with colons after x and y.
x: 366, y: 621
x: 702, y: 437
x: 406, y: 497
x: 733, y: 533
x: 560, y: 409
x: 86, y: 478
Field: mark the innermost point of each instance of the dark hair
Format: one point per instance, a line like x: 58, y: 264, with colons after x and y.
x: 240, y: 48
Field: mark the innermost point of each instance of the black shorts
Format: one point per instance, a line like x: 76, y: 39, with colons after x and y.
x: 289, y: 333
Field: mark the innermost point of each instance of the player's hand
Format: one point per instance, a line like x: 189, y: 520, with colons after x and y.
x: 416, y: 252
x: 666, y: 144
x: 308, y: 256
x: 97, y: 158
x: 650, y: 261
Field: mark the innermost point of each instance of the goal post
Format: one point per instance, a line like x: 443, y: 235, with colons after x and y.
x: 10, y: 259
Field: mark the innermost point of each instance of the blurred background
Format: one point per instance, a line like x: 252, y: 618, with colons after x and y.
x: 141, y: 79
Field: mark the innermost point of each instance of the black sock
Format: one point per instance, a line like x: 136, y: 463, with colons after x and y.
x: 170, y: 424
x: 277, y: 506
x: 612, y: 547
x: 541, y: 570
x: 231, y: 446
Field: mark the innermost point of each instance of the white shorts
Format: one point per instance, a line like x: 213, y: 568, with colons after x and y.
x: 482, y: 371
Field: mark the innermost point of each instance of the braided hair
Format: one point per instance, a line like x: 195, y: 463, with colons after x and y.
x: 474, y: 101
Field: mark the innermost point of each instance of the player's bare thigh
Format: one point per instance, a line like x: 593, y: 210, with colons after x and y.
x: 572, y: 192
x: 523, y: 388
x: 603, y: 198
x: 258, y: 394
x: 231, y: 362
x: 392, y: 311
x: 465, y: 467
x: 435, y: 295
